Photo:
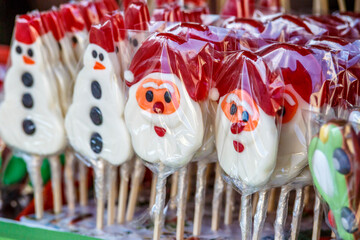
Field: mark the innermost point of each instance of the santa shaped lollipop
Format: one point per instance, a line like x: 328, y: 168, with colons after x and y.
x: 167, y: 80
x: 75, y: 27
x: 302, y: 75
x: 31, y: 118
x: 94, y: 122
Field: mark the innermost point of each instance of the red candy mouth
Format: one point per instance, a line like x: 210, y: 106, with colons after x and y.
x: 160, y: 131
x: 239, y: 147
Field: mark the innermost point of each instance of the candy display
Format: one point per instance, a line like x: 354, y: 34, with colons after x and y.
x: 251, y: 112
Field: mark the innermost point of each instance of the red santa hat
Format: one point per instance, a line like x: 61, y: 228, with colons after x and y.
x: 137, y: 16
x: 196, y: 3
x: 72, y: 17
x: 188, y: 59
x: 111, y: 5
x: 117, y: 21
x: 102, y: 36
x: 90, y: 13
x: 101, y: 9
x: 168, y: 13
x: 52, y: 23
x: 160, y: 3
x: 299, y: 67
x: 247, y: 71
x: 28, y: 28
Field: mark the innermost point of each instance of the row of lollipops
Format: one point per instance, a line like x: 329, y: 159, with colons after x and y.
x: 174, y: 93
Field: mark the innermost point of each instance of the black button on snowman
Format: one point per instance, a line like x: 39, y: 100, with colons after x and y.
x: 96, y: 117
x: 27, y: 100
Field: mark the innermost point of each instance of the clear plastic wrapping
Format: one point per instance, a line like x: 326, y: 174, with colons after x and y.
x: 168, y: 78
x: 247, y: 126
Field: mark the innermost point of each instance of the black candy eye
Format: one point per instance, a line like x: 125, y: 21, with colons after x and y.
x: 117, y: 49
x: 348, y: 220
x: 18, y: 49
x: 149, y: 96
x: 341, y: 161
x: 281, y: 112
x: 167, y: 97
x: 233, y: 109
x: 60, y: 48
x: 30, y: 52
x: 94, y: 54
x: 135, y: 43
x: 101, y: 56
x: 74, y: 40
x: 245, y: 116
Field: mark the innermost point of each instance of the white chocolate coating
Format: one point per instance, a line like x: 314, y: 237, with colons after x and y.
x: 49, y: 135
x: 184, y: 127
x: 116, y: 143
x: 292, y: 156
x: 255, y: 164
x: 81, y: 38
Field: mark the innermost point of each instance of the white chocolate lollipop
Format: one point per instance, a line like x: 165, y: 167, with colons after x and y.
x: 31, y: 118
x: 163, y: 114
x: 75, y: 27
x: 246, y: 130
x: 94, y: 122
x: 302, y: 75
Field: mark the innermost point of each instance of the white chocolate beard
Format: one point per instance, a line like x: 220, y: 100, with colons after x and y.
x: 292, y: 157
x: 255, y: 164
x: 49, y: 135
x: 184, y: 131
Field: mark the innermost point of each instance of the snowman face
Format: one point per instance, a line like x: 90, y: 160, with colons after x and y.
x: 30, y: 55
x: 165, y: 123
x: 97, y: 58
x: 243, y: 131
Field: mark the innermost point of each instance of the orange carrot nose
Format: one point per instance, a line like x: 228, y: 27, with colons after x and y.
x: 28, y: 60
x: 99, y: 66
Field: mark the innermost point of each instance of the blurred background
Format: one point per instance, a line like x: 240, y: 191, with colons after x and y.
x: 10, y: 8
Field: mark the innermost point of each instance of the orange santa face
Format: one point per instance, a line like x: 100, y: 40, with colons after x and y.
x: 158, y: 96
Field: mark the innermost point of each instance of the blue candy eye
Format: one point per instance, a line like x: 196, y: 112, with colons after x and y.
x: 233, y: 109
x: 245, y: 116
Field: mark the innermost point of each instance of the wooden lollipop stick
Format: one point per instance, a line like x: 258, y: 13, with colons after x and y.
x: 255, y: 202
x: 83, y: 182
x: 153, y: 190
x: 55, y: 167
x: 99, y: 169
x: 34, y: 165
x: 182, y: 198
x: 306, y: 196
x: 271, y: 205
x: 123, y: 191
x: 217, y: 199
x: 111, y: 184
x: 229, y: 205
x: 320, y: 7
x: 317, y: 219
x: 246, y: 217
x: 357, y: 6
x: 281, y: 212
x: 158, y: 209
x: 342, y: 5
x: 260, y: 214
x: 136, y: 180
x: 200, y: 196
x: 174, y: 189
x: 69, y: 179
x: 297, y: 213
x: 286, y: 6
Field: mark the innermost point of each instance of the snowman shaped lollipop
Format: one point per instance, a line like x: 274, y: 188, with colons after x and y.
x: 94, y: 122
x: 75, y: 27
x: 31, y: 118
